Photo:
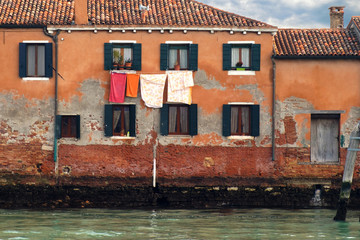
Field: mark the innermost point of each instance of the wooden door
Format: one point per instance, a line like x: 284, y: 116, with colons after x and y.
x: 325, y: 138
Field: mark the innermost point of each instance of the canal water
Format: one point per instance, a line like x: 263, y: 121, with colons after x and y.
x: 177, y: 224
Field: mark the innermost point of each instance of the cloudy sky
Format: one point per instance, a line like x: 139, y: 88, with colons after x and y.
x: 289, y: 13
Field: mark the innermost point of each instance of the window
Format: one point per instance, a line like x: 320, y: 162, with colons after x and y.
x: 183, y: 55
x: 325, y: 137
x: 125, y: 56
x: 120, y: 120
x: 241, y: 57
x: 178, y: 119
x: 241, y: 120
x: 35, y: 60
x: 68, y: 126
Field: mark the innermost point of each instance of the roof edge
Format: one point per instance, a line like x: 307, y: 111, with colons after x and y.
x: 316, y: 57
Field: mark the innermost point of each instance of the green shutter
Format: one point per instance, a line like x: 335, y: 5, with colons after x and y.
x: 193, y: 57
x: 193, y: 122
x: 164, y: 49
x: 22, y: 60
x: 48, y: 60
x: 226, y: 57
x: 108, y: 120
x: 77, y: 126
x: 136, y: 64
x: 255, y: 57
x: 58, y: 126
x: 255, y: 120
x: 164, y: 120
x: 107, y: 56
x: 226, y: 120
x: 132, y: 109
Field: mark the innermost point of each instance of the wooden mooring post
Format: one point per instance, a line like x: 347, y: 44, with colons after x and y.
x: 348, y: 174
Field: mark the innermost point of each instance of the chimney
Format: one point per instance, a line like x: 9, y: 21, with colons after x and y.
x: 81, y: 16
x: 336, y: 17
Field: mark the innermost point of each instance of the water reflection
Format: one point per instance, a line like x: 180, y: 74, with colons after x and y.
x: 177, y: 224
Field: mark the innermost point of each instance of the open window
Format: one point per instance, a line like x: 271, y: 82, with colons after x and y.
x: 179, y: 119
x: 178, y: 56
x: 122, y: 56
x: 35, y: 60
x: 241, y: 56
x: 120, y: 120
x: 241, y: 120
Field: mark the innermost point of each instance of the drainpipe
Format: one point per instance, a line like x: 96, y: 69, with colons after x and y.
x: 273, y: 109
x: 55, y: 40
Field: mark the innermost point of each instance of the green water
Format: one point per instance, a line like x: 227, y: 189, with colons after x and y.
x: 177, y: 224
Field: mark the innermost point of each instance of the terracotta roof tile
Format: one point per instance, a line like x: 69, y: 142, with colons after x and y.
x: 165, y: 13
x: 316, y: 42
x: 36, y: 12
x: 356, y: 20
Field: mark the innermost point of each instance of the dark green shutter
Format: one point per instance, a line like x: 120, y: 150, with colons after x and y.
x: 136, y: 65
x: 226, y: 120
x: 164, y: 49
x: 58, y: 126
x: 77, y: 126
x: 48, y: 60
x: 107, y: 56
x: 255, y: 57
x: 193, y: 122
x: 255, y: 120
x: 22, y: 60
x: 108, y: 120
x: 164, y: 120
x: 193, y: 57
x: 226, y: 57
x: 132, y: 109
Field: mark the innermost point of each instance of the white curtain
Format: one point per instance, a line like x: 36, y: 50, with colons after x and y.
x: 172, y: 119
x: 245, y: 125
x: 41, y: 60
x: 30, y: 60
x: 127, y: 119
x: 184, y: 119
x: 172, y: 58
x: 245, y: 57
x: 234, y: 56
x: 116, y: 117
x: 234, y: 119
x: 183, y: 58
x: 127, y: 54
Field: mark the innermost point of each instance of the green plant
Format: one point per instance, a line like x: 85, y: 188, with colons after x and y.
x: 121, y: 59
x: 128, y: 60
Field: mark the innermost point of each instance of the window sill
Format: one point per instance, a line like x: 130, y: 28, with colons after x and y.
x: 35, y: 78
x: 244, y: 73
x: 124, y: 71
x: 178, y: 136
x: 241, y: 137
x: 320, y: 163
x: 123, y: 137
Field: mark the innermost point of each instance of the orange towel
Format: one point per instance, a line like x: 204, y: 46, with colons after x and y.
x: 132, y: 85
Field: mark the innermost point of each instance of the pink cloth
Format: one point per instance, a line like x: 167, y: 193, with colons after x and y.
x: 117, y: 87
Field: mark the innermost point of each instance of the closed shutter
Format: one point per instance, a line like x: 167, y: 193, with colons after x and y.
x: 255, y: 120
x: 48, y: 60
x: 164, y: 120
x: 107, y: 56
x: 226, y: 57
x: 136, y: 65
x: 226, y: 118
x: 22, y: 60
x: 77, y: 126
x: 255, y: 57
x: 58, y: 126
x: 132, y: 119
x: 193, y: 121
x: 164, y: 49
x: 193, y: 57
x: 108, y: 120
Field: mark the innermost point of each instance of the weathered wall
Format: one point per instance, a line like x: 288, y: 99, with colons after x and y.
x: 209, y: 158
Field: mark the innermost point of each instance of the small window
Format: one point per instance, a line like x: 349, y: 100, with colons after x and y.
x: 35, y: 60
x: 122, y: 56
x: 120, y: 120
x: 179, y: 57
x: 241, y: 120
x: 179, y: 119
x: 241, y: 57
x: 68, y: 126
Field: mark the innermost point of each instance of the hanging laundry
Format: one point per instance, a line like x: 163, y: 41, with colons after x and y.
x: 117, y: 87
x: 152, y: 89
x: 132, y: 85
x: 180, y: 87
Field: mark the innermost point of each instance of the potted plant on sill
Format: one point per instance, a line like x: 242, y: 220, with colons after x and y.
x: 177, y: 66
x: 121, y: 62
x: 239, y: 66
x: 116, y: 60
x: 128, y: 63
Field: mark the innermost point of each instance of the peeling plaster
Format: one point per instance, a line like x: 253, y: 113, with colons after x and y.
x: 201, y: 79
